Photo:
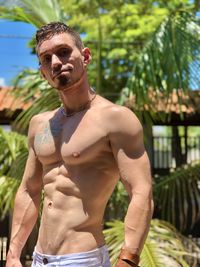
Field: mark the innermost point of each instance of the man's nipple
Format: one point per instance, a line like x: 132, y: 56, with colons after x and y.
x: 76, y: 154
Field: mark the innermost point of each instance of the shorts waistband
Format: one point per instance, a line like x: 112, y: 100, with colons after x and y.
x: 42, y: 258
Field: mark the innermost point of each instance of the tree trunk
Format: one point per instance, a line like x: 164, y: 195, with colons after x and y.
x: 176, y: 147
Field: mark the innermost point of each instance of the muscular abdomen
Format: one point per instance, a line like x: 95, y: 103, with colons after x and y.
x: 79, y: 176
x: 73, y: 208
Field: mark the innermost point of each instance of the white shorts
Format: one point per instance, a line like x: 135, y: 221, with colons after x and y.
x: 94, y: 258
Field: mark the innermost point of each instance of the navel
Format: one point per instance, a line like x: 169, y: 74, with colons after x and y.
x: 50, y: 204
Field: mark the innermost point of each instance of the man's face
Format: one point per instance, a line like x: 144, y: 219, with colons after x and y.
x: 62, y: 63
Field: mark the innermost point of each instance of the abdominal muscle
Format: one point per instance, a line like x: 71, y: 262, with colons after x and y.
x: 72, y: 213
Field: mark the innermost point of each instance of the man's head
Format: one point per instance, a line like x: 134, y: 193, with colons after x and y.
x: 49, y: 30
x: 63, y: 58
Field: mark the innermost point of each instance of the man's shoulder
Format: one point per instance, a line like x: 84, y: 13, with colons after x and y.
x: 118, y: 118
x: 111, y: 108
x: 42, y: 117
x: 115, y: 112
x: 38, y: 120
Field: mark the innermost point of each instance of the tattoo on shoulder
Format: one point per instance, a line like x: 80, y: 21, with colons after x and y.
x: 49, y: 132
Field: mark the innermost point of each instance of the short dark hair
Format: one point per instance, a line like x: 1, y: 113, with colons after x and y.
x: 49, y: 30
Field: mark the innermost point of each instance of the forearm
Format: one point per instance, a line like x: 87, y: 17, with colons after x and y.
x: 24, y: 218
x: 137, y: 222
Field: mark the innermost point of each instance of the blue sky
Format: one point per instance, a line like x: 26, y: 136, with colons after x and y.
x: 14, y: 51
x: 15, y: 54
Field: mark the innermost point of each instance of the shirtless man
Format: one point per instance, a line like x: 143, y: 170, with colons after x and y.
x: 76, y: 155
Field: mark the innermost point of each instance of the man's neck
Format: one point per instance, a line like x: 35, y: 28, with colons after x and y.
x: 77, y: 96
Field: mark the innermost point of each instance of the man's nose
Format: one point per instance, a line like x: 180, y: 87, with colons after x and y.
x: 56, y: 62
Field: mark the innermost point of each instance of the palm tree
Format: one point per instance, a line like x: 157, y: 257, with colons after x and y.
x: 154, y: 55
x: 169, y: 60
x: 163, y: 247
x: 164, y: 243
x: 13, y: 154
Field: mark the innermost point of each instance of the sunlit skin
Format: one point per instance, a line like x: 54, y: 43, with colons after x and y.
x: 78, y: 160
x: 62, y: 61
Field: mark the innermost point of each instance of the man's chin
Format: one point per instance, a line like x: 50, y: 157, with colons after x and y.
x: 64, y: 83
x: 62, y: 87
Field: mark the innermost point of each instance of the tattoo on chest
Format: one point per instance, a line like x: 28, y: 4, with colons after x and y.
x: 49, y: 133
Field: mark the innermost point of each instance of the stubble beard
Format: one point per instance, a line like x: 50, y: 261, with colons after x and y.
x: 65, y: 83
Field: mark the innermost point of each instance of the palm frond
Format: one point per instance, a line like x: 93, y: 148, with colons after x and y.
x: 114, y: 237
x: 11, y: 145
x: 35, y: 12
x: 13, y: 155
x: 163, y: 247
x: 177, y: 197
x: 28, y: 84
x: 48, y: 100
x: 169, y: 60
x: 8, y: 189
x: 117, y: 204
x: 30, y: 88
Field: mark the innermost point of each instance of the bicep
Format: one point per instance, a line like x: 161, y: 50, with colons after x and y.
x: 134, y: 171
x: 129, y: 151
x: 32, y: 178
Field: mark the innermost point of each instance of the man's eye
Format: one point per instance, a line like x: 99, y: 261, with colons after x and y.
x: 46, y: 59
x: 63, y: 52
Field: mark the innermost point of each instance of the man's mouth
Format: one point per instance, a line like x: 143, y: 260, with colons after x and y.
x: 61, y: 72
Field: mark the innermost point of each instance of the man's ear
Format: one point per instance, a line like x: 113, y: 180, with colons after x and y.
x: 86, y: 55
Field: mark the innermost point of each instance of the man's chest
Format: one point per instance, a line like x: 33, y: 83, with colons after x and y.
x: 72, y: 141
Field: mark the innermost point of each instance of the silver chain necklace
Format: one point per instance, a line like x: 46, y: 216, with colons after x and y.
x: 84, y: 107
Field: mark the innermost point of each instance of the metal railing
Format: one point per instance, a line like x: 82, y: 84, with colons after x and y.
x: 166, y: 151
x: 3, y: 250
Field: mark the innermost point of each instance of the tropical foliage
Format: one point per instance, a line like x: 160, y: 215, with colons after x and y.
x: 179, y: 193
x: 34, y: 89
x: 13, y: 154
x: 34, y: 12
x: 160, y: 65
x: 176, y: 198
x: 148, y: 43
x: 163, y: 240
x: 122, y: 29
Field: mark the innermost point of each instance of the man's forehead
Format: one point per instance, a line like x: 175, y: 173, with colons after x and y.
x: 57, y: 40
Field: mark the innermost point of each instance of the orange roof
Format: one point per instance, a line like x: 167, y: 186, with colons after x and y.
x: 177, y: 102
x: 8, y: 101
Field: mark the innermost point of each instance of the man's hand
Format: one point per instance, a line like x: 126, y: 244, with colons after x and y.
x: 122, y: 263
x: 12, y: 262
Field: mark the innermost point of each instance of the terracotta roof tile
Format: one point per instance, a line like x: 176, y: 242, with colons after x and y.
x: 178, y: 102
x: 8, y: 101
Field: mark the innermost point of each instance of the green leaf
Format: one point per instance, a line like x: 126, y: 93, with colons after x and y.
x: 13, y: 155
x: 179, y: 191
x: 164, y: 245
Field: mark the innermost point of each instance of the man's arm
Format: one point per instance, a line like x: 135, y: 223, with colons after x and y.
x: 126, y: 138
x: 27, y: 203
